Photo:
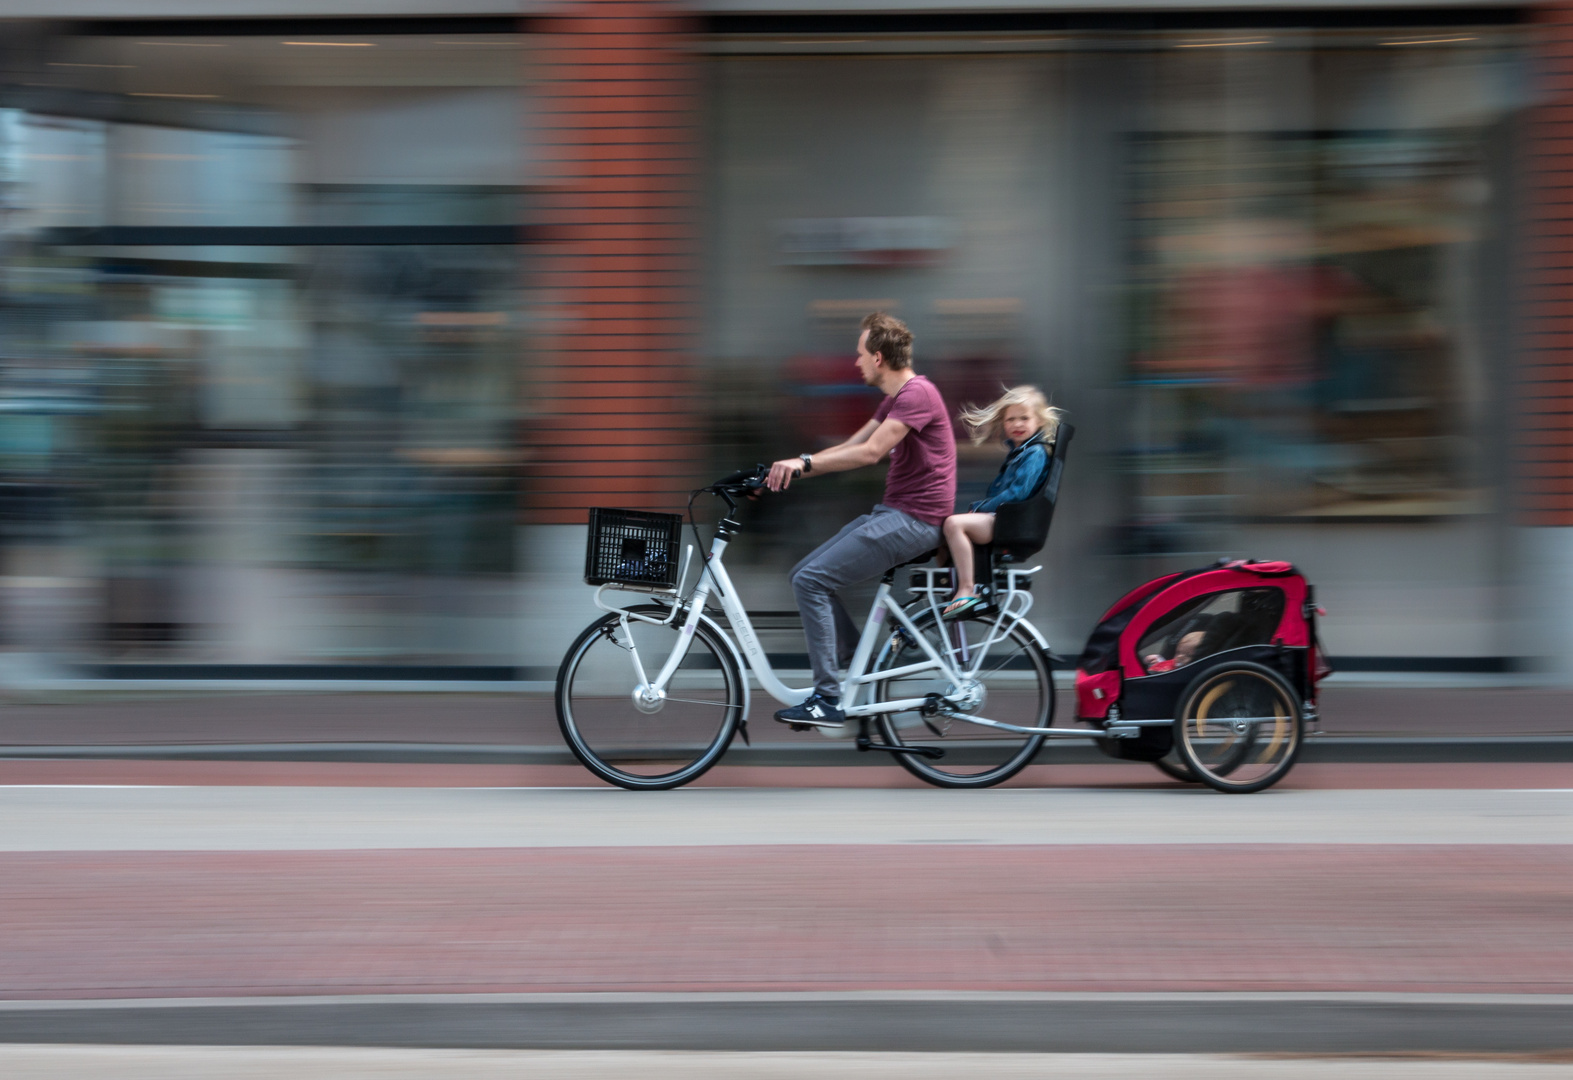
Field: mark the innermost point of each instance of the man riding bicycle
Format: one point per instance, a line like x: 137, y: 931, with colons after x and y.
x: 912, y: 427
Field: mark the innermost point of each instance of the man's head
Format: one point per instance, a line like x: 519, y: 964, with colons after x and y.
x: 884, y: 344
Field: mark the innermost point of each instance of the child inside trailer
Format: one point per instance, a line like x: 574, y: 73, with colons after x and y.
x: 1211, y: 624
x: 1184, y: 652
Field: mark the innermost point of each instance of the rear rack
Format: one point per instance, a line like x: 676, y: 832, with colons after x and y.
x: 929, y: 580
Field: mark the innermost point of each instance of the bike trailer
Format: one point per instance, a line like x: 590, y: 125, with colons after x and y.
x: 1162, y: 640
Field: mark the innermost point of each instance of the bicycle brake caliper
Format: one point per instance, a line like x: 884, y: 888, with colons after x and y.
x: 610, y: 633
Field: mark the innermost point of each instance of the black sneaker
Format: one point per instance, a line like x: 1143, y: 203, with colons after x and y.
x: 817, y: 711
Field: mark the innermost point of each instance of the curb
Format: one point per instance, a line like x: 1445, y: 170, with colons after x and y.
x: 871, y: 1021
x: 1321, y: 749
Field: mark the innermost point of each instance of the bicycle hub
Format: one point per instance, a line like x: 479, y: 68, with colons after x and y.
x: 647, y: 699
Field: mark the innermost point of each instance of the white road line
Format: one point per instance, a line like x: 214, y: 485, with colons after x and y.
x: 34, y: 1062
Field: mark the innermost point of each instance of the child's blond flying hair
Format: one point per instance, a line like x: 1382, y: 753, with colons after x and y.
x: 988, y: 421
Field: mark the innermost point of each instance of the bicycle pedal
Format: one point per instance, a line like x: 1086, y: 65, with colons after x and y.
x: 801, y: 727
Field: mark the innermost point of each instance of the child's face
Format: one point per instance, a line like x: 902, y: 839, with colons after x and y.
x: 1186, y: 649
x: 1019, y: 423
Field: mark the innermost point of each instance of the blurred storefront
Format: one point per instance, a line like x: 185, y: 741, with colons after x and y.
x: 262, y: 338
x: 1267, y: 271
x: 286, y: 379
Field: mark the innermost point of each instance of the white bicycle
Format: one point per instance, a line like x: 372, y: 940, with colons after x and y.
x: 651, y: 696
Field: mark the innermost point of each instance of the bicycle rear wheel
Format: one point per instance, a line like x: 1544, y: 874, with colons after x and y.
x: 678, y: 738
x: 1014, y: 685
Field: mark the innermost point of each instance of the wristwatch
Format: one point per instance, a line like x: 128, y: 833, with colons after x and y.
x: 808, y: 463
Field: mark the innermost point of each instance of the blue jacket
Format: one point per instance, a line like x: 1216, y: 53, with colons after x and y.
x: 1018, y: 476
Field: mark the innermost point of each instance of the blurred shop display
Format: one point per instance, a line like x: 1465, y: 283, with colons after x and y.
x: 245, y: 438
x: 1304, y: 346
x: 267, y: 308
x: 864, y: 241
x: 830, y: 400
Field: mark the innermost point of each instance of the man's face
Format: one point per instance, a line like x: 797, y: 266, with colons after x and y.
x: 869, y: 365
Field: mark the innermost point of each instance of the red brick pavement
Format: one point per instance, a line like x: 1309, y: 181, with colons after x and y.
x: 1243, y: 918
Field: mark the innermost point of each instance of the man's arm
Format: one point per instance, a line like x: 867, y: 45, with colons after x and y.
x: 870, y: 445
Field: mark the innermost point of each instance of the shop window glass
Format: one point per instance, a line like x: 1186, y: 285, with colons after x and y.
x: 1301, y: 350
x: 249, y: 440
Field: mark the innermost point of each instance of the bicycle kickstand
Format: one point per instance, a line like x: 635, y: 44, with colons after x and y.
x: 865, y: 744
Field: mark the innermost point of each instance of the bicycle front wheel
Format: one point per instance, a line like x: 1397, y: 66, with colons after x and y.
x: 1013, y: 684
x: 634, y: 743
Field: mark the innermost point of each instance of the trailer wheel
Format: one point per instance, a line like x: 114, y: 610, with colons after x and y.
x: 1239, y: 727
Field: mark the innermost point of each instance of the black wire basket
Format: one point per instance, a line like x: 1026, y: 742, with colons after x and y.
x: 632, y: 547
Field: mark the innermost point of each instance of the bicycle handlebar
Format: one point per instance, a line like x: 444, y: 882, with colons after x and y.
x: 745, y: 482
x: 741, y: 482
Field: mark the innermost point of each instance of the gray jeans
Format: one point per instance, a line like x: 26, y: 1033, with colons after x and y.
x: 865, y: 549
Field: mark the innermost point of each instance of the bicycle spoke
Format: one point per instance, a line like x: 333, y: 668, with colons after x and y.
x: 995, y: 669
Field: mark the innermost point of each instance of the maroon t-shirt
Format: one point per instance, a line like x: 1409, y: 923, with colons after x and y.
x: 922, y: 478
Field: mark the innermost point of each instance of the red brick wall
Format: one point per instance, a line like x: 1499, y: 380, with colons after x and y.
x: 1544, y: 425
x: 611, y: 385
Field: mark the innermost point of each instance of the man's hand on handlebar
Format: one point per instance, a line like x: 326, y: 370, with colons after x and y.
x: 783, y: 472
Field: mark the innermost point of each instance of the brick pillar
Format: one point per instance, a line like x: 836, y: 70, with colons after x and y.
x: 1544, y: 425
x: 613, y: 381
x: 1543, y: 421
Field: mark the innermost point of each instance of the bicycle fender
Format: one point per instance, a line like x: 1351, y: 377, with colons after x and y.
x: 1037, y: 637
x: 737, y: 658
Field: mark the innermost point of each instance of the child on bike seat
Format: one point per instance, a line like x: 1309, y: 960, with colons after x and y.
x: 1024, y: 420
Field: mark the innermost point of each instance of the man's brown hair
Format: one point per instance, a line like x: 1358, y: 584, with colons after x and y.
x: 889, y: 336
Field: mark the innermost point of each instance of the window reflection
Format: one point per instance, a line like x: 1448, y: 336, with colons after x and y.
x: 1305, y: 342
x: 225, y: 447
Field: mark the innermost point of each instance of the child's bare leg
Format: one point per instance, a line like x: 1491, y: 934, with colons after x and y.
x: 960, y: 555
x: 961, y: 532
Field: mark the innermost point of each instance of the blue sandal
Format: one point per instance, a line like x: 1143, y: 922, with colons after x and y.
x: 957, y: 608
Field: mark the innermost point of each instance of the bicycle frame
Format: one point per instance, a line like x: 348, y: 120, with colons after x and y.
x: 957, y: 664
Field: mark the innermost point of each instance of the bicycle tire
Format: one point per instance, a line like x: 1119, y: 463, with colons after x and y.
x: 976, y: 756
x: 1172, y: 766
x: 1239, y: 727
x: 638, y: 750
